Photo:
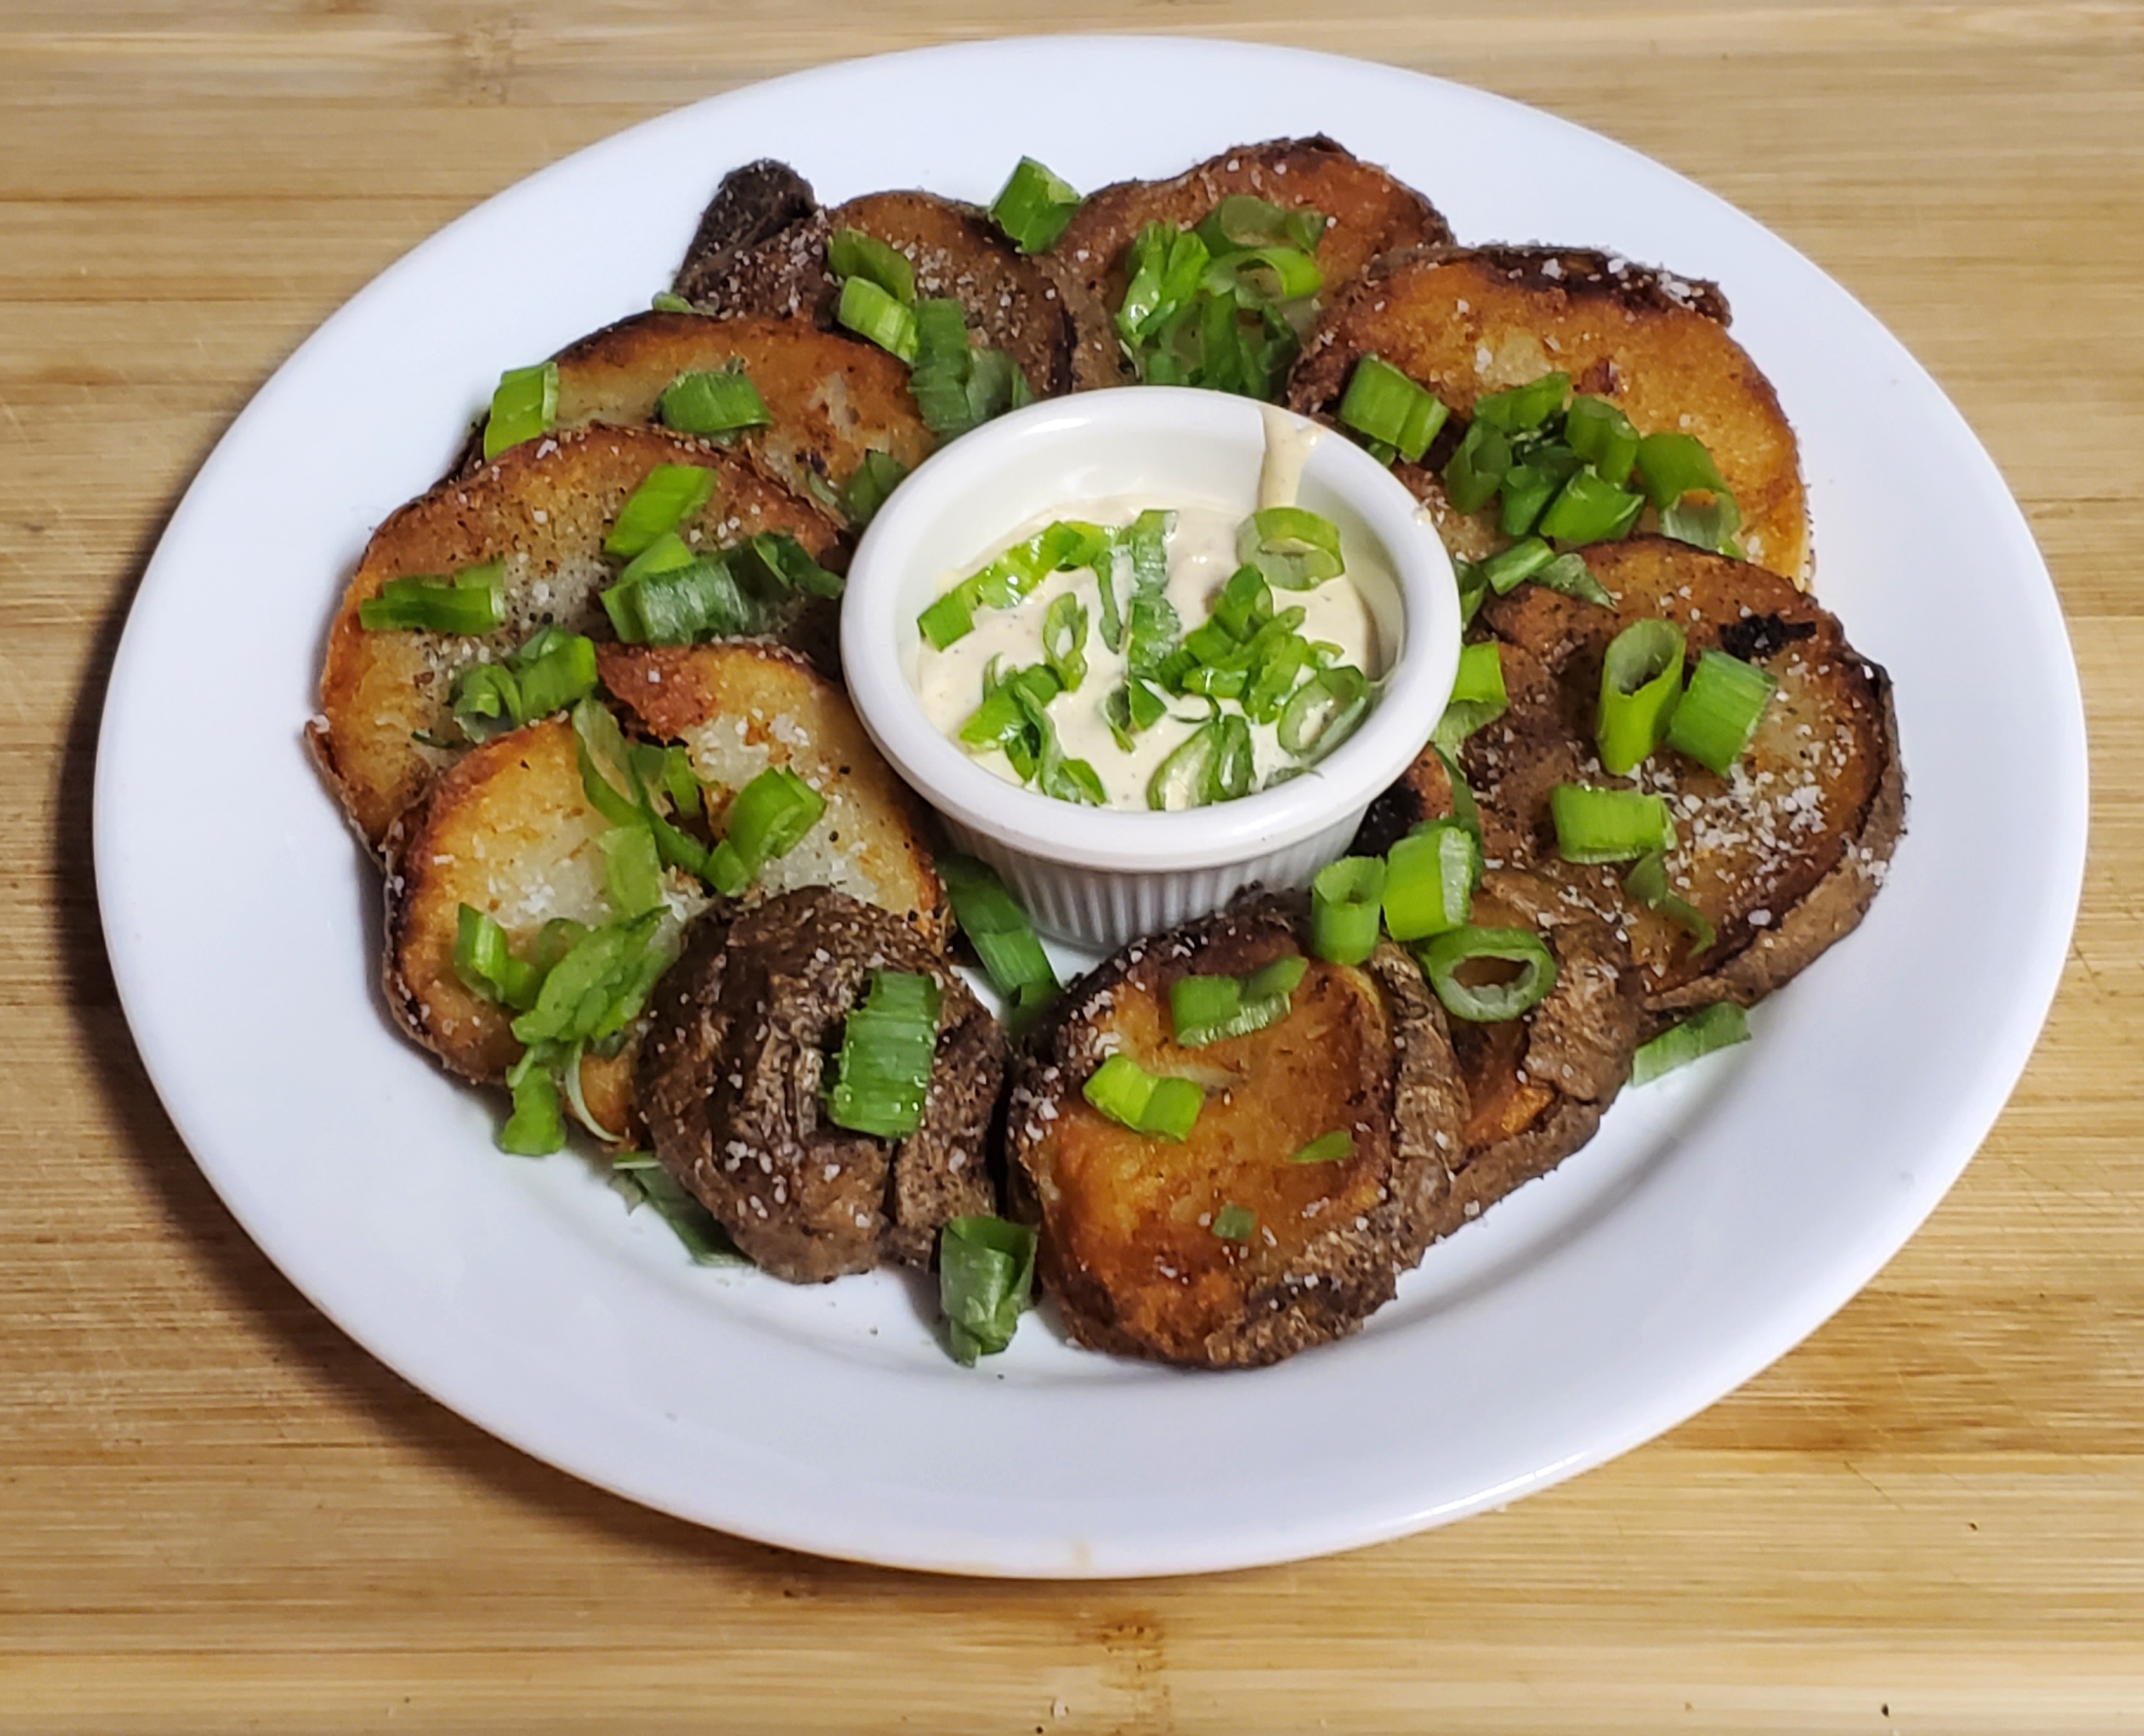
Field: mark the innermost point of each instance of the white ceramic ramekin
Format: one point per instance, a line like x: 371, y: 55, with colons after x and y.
x: 1100, y: 877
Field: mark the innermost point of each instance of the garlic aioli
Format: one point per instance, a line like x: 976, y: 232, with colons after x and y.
x: 1201, y: 557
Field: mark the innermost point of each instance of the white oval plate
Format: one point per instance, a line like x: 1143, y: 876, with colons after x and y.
x: 1719, y: 1217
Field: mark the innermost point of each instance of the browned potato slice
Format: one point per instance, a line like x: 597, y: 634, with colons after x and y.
x: 1032, y: 308
x: 741, y: 708
x: 1127, y: 1240
x: 731, y: 1072
x: 543, y: 508
x: 833, y: 397
x: 508, y: 829
x: 1370, y: 211
x: 1468, y: 322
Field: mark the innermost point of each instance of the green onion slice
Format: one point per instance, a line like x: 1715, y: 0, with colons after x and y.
x: 1640, y: 680
x: 667, y: 496
x: 1382, y: 404
x: 1602, y: 435
x: 768, y: 819
x: 1569, y: 576
x: 644, y: 1181
x: 632, y: 872
x: 853, y: 255
x: 1004, y: 938
x: 1718, y: 713
x: 662, y: 301
x: 985, y: 1276
x: 1430, y: 878
x: 1243, y: 220
x: 785, y: 564
x: 868, y: 310
x: 1345, y: 901
x: 599, y: 986
x: 1064, y: 641
x: 882, y: 1073
x: 1588, y: 509
x: 868, y: 487
x: 1671, y: 465
x: 1033, y: 206
x: 1294, y: 547
x: 551, y: 670
x: 715, y: 401
x: 1476, y: 469
x: 1205, y: 1009
x: 1494, y: 1003
x: 1721, y: 1025
x: 473, y: 601
x: 1705, y: 522
x: 1326, y: 1149
x: 1505, y: 570
x: 1323, y: 712
x: 1127, y: 1093
x: 525, y: 405
x: 485, y: 963
x: 1235, y: 1223
x: 1647, y: 882
x: 1609, y: 826
x: 1478, y: 696
x: 536, y: 1128
x: 1524, y: 408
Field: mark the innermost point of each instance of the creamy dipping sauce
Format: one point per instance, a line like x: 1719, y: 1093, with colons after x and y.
x: 1202, y: 556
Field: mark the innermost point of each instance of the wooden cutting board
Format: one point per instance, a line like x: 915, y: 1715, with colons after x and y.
x: 216, y: 1512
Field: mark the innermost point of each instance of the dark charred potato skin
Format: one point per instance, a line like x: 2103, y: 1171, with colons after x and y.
x: 1132, y: 1269
x: 730, y: 1077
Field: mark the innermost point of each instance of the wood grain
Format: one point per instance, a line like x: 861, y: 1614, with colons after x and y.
x: 217, y: 1513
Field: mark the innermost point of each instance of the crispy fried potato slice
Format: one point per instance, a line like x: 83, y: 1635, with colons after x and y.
x: 543, y: 508
x: 1468, y: 322
x: 508, y: 829
x: 833, y: 397
x: 1370, y: 212
x: 1128, y: 1242
x: 1032, y: 308
x: 741, y: 708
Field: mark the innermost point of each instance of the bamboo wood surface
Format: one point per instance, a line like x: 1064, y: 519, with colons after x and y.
x: 217, y: 1513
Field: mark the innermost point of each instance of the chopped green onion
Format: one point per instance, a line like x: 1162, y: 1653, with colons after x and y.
x: 1243, y: 220
x: 853, y: 255
x: 1476, y: 469
x: 950, y: 618
x: 1004, y: 938
x: 1647, y: 882
x: 485, y: 963
x: 551, y: 670
x: 1609, y: 826
x: 1640, y: 680
x: 663, y: 302
x: 985, y: 1275
x: 1430, y: 878
x: 473, y: 601
x: 1569, y: 576
x: 1590, y: 510
x: 1235, y: 1223
x: 1721, y: 1025
x: 1323, y: 712
x: 1345, y: 901
x: 1033, y: 206
x: 1505, y: 570
x: 716, y: 401
x: 785, y: 564
x: 1234, y: 759
x: 1185, y: 776
x: 632, y: 873
x: 871, y: 312
x: 768, y: 819
x: 666, y: 497
x: 1464, y: 809
x: 600, y: 985
x: 607, y: 778
x: 1671, y: 465
x: 1326, y: 1149
x: 1529, y: 487
x: 1127, y: 1093
x: 1478, y: 696
x: 1489, y: 1003
x: 869, y: 485
x: 1718, y: 713
x: 1602, y: 435
x: 1064, y: 641
x: 1524, y: 408
x: 1293, y: 547
x: 682, y: 605
x: 1205, y: 1009
x: 524, y: 406
x: 536, y: 1128
x: 644, y: 1181
x: 665, y: 551
x: 882, y: 1073
x: 1704, y: 523
x: 1389, y: 408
